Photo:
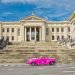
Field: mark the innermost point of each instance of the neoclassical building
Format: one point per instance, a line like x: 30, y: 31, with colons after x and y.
x: 34, y: 28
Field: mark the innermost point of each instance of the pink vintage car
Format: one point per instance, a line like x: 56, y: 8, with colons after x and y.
x: 41, y: 61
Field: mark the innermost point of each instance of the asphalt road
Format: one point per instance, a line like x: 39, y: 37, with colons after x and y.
x: 22, y: 69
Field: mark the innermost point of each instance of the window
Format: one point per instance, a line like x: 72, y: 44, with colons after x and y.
x: 12, y: 29
x: 52, y: 29
x: 57, y: 37
x: 62, y: 37
x: 68, y: 29
x: 47, y: 31
x: 62, y: 29
x: 53, y: 37
x: 2, y: 37
x: 12, y: 37
x: 7, y: 29
x: 18, y: 32
x: 57, y: 29
x: 69, y: 36
x: 2, y: 29
x: 7, y: 37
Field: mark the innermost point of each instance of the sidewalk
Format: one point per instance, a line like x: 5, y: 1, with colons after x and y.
x: 24, y: 64
x: 13, y: 64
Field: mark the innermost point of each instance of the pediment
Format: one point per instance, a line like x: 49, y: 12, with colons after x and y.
x: 72, y: 17
x: 33, y: 18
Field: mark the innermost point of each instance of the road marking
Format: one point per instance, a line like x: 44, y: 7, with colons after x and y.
x: 10, y: 69
x: 58, y: 66
x: 72, y: 67
x: 40, y: 68
x: 6, y: 65
x: 3, y: 65
x: 69, y: 71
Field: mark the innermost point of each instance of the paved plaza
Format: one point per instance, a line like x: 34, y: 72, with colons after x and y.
x: 23, y: 69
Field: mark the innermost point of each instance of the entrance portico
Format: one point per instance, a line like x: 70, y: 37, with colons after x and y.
x: 34, y: 29
x: 33, y: 33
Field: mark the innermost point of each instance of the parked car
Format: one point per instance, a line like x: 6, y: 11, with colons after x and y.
x: 41, y: 61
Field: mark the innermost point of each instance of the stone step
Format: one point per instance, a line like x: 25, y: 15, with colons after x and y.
x: 26, y: 50
x: 12, y: 60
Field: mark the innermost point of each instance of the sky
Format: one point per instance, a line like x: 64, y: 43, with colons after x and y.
x: 51, y: 10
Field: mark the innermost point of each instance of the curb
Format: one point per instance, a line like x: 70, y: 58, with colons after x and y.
x: 13, y: 65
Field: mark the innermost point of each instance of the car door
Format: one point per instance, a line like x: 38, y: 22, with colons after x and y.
x: 39, y: 61
x: 43, y: 60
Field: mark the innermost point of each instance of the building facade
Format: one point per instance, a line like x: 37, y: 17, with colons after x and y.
x: 34, y: 28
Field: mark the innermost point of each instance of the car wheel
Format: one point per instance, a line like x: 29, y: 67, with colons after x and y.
x: 33, y: 64
x: 52, y: 63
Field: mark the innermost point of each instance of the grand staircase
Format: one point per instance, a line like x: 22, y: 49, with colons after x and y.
x: 20, y: 52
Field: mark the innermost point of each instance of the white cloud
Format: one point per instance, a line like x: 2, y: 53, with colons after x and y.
x: 7, y: 13
x: 68, y: 4
x: 55, y: 8
x: 21, y: 1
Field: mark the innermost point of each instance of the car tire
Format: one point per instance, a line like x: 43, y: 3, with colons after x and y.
x: 52, y: 63
x: 33, y: 64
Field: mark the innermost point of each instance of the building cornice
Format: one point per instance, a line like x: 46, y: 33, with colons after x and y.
x: 10, y: 22
x: 58, y: 22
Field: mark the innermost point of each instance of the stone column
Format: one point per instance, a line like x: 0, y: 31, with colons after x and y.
x: 65, y: 32
x: 43, y: 33
x: 16, y: 36
x: 55, y: 34
x: 35, y: 33
x: 25, y: 34
x: 22, y: 33
x: 30, y: 33
x: 40, y: 34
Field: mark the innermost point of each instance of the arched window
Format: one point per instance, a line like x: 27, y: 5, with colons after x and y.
x: 68, y: 29
x: 18, y: 32
x: 12, y: 29
x: 52, y: 29
x: 12, y: 37
x: 47, y: 31
x: 58, y: 37
x: 62, y: 29
x: 7, y: 29
x: 57, y: 29
x: 62, y: 37
x: 3, y: 29
x: 52, y: 37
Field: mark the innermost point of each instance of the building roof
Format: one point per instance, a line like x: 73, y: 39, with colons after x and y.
x: 72, y: 16
x: 33, y: 17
